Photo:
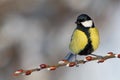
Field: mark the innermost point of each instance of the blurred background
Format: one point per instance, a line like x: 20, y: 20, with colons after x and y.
x: 39, y: 31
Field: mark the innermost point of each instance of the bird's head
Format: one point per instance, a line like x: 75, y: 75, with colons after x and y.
x: 84, y: 20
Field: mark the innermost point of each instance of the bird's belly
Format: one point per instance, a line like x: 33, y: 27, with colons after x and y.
x: 78, y: 42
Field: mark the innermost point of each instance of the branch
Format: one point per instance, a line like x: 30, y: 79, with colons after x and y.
x: 109, y: 55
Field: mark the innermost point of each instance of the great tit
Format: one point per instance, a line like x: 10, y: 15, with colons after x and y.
x: 85, y: 38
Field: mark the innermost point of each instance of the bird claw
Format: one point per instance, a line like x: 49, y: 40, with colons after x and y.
x: 77, y: 62
x: 98, y: 56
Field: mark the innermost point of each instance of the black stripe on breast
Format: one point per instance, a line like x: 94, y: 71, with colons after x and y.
x: 88, y: 48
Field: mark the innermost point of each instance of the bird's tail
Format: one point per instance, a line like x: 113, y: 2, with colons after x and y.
x: 69, y: 56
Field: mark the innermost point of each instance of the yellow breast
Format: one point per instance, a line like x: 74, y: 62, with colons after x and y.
x: 94, y: 36
x: 78, y: 41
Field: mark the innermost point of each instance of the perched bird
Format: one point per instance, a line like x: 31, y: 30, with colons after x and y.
x: 85, y: 38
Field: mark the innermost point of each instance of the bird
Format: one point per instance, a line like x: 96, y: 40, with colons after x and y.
x: 85, y: 38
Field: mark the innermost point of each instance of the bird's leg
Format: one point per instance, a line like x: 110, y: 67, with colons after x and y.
x: 98, y: 56
x: 76, y: 61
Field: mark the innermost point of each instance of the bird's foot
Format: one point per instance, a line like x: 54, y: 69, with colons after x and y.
x: 98, y: 56
x: 77, y: 63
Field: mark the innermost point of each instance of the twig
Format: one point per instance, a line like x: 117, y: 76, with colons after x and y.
x: 66, y: 63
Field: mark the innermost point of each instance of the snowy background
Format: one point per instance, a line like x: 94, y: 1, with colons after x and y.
x: 39, y: 31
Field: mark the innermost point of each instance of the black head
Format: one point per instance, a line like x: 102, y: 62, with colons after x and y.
x: 84, y: 20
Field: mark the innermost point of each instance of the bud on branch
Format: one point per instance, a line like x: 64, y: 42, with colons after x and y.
x: 67, y: 63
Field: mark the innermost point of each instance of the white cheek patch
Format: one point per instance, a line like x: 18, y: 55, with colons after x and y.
x: 88, y: 23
